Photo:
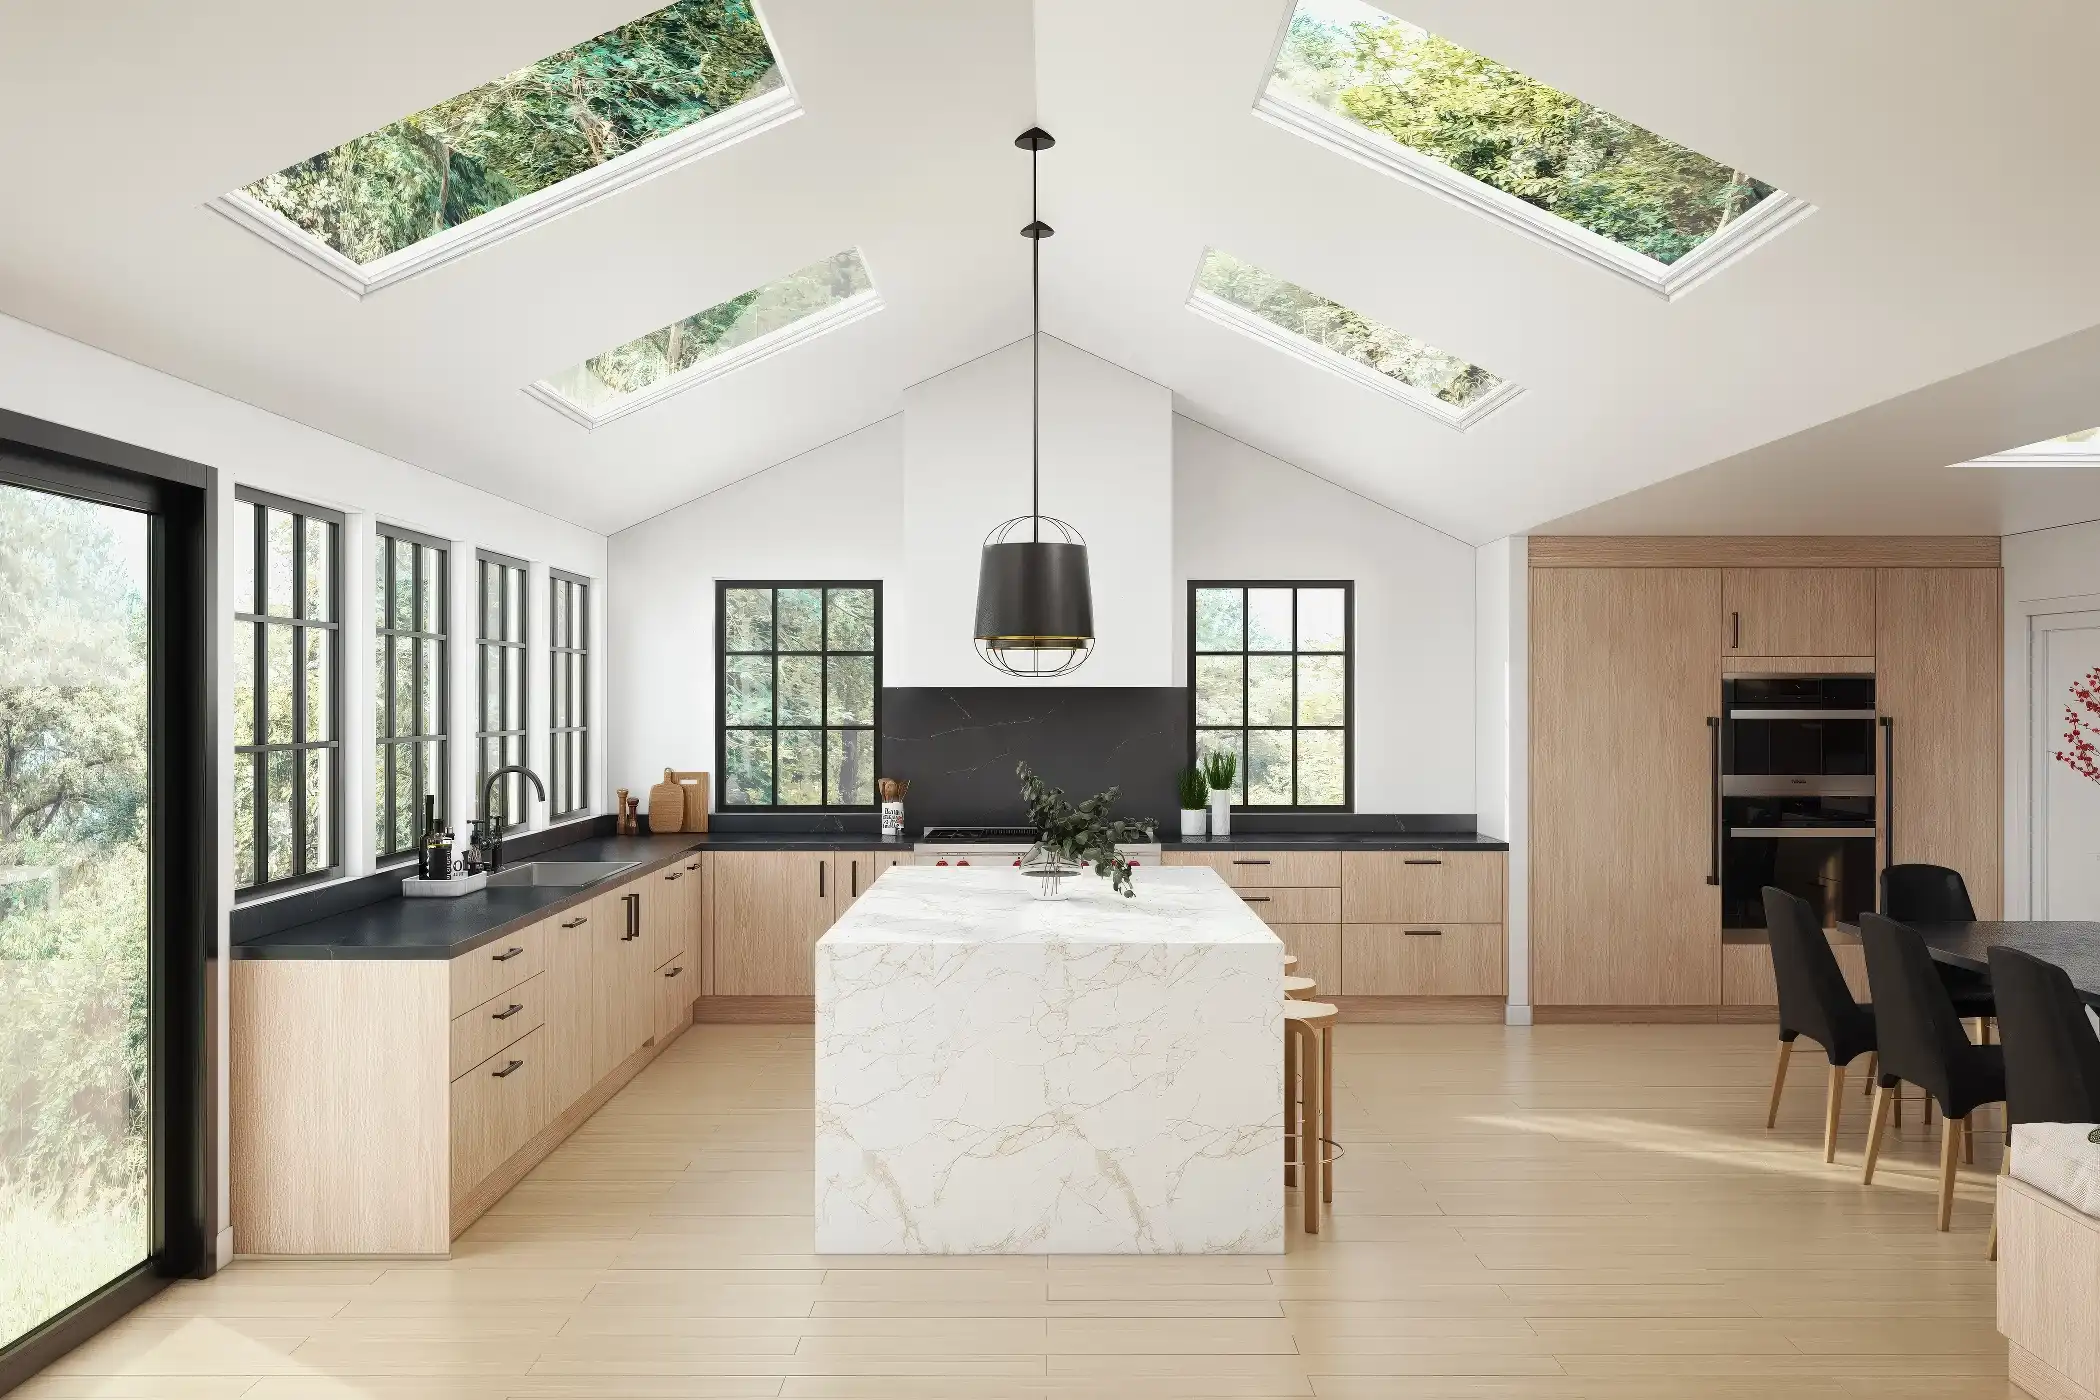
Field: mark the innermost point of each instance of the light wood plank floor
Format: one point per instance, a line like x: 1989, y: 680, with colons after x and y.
x: 1545, y: 1214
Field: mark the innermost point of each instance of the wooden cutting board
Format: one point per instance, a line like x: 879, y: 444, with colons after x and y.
x: 697, y: 797
x: 666, y: 806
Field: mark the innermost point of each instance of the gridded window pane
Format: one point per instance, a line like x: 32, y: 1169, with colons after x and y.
x: 850, y: 766
x: 800, y: 611
x: 1220, y: 624
x: 851, y: 619
x: 503, y: 677
x: 243, y: 827
x: 430, y: 717
x: 244, y: 682
x: 747, y: 775
x: 747, y: 685
x: 801, y: 767
x: 1322, y: 682
x: 320, y: 684
x: 1269, y: 768
x: 277, y: 685
x: 747, y: 619
x: 277, y: 543
x: 320, y: 586
x: 1221, y: 689
x: 411, y: 675
x: 1232, y: 741
x: 850, y: 683
x: 278, y: 803
x: 1268, y: 619
x: 1268, y: 690
x: 285, y: 712
x: 1291, y: 664
x: 799, y: 694
x: 1322, y: 619
x: 568, y: 621
x: 801, y: 690
x: 1323, y: 773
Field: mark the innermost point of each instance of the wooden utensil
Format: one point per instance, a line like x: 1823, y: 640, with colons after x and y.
x: 666, y: 807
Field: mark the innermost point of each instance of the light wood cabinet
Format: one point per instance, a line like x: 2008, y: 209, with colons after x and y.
x: 769, y: 910
x: 1797, y: 612
x: 1625, y: 673
x: 1319, y: 951
x: 1747, y: 980
x: 1939, y: 650
x: 856, y: 870
x: 671, y: 999
x: 480, y: 1031
x: 623, y: 1016
x: 1281, y: 904
x: 489, y: 969
x: 666, y: 912
x: 1244, y: 869
x: 1423, y: 959
x: 1454, y: 886
x: 495, y: 1107
x: 572, y: 1004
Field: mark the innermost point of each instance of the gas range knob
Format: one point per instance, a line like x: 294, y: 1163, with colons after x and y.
x: 962, y: 862
x: 940, y: 862
x: 1017, y: 860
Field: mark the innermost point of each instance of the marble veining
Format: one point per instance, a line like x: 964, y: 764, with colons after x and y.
x: 1000, y: 1074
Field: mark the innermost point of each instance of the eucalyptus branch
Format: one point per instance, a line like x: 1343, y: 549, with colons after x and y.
x: 1083, y: 835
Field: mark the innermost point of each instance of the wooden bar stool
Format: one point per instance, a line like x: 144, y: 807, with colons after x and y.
x: 1299, y: 988
x: 1308, y: 1037
x: 1290, y: 960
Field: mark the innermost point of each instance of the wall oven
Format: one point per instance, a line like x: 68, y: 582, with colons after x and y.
x: 1798, y: 806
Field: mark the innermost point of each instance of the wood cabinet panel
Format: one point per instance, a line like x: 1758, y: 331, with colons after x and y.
x: 571, y: 999
x: 494, y: 967
x: 673, y: 991
x: 666, y: 911
x: 496, y: 1105
x: 856, y: 870
x: 770, y: 908
x: 1625, y: 671
x: 1797, y: 612
x: 1319, y: 950
x: 507, y: 1016
x: 1423, y: 960
x: 1254, y: 869
x: 1939, y: 654
x: 1392, y: 886
x: 1281, y: 904
x: 622, y: 1013
x: 1746, y: 973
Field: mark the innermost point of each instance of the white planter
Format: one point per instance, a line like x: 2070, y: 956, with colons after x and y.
x: 1221, y: 814
x: 1192, y: 819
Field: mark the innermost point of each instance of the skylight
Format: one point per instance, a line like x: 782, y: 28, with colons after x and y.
x: 1462, y: 126
x: 655, y: 92
x: 709, y: 344
x: 1328, y: 334
x: 2079, y: 449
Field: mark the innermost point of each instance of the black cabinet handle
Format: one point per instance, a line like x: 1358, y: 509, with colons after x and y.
x: 508, y: 1070
x: 1888, y: 796
x: 855, y: 864
x: 634, y: 917
x: 694, y: 866
x: 674, y: 874
x: 820, y: 877
x: 1713, y: 806
x: 1423, y: 932
x: 578, y: 922
x: 1421, y: 860
x: 505, y: 956
x: 1255, y: 898
x: 1735, y: 631
x: 1237, y: 861
x: 674, y: 972
x: 513, y: 1009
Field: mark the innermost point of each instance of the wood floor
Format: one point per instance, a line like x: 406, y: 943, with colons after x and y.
x: 1565, y: 1211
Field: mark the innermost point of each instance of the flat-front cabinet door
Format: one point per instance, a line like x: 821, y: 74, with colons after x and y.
x: 770, y: 908
x: 1625, y: 671
x: 856, y: 871
x: 1938, y: 679
x: 624, y: 1015
x: 1797, y: 612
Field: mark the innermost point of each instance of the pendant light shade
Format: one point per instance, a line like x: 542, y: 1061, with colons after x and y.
x: 1035, y: 594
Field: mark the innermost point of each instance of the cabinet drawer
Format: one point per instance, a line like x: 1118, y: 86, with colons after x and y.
x: 1746, y: 973
x: 1462, y: 887
x: 495, y: 1107
x: 1422, y: 960
x: 497, y: 967
x: 1282, y: 904
x: 676, y: 986
x: 509, y: 1015
x: 1319, y: 950
x: 1253, y: 869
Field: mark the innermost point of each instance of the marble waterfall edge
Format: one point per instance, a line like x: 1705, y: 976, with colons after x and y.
x: 1000, y: 1075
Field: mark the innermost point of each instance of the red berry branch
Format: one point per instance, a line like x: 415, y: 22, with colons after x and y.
x: 2080, y: 753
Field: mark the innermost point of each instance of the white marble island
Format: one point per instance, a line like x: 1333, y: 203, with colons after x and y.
x: 998, y: 1074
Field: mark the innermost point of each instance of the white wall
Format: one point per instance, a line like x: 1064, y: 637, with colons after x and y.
x: 1503, y: 696
x: 2051, y: 578
x: 1242, y: 514
x: 1107, y: 470
x: 63, y: 381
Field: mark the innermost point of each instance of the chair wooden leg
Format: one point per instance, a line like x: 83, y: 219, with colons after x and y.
x: 1878, y: 1115
x: 1896, y: 1108
x: 1968, y: 1140
x: 1309, y: 1132
x: 1950, y: 1144
x: 1326, y: 1109
x: 1786, y: 1052
x: 1831, y: 1112
x: 1290, y: 1105
x: 1866, y: 1086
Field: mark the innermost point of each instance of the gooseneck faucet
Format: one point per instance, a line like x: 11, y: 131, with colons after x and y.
x: 492, y: 834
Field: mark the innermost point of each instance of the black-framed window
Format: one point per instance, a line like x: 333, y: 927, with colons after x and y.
x: 287, y: 723
x: 499, y: 730
x: 1272, y: 681
x: 410, y: 695
x: 568, y: 694
x: 798, y: 687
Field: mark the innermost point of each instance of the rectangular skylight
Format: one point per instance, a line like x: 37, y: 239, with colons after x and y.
x: 2079, y: 449
x: 709, y: 344
x: 1462, y: 126
x: 630, y: 103
x: 1327, y: 334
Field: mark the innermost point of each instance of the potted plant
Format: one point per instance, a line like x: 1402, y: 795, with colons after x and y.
x: 1069, y: 838
x: 1193, y: 792
x: 1220, y: 768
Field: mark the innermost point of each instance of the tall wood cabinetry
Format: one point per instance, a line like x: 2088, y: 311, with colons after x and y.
x: 1629, y: 642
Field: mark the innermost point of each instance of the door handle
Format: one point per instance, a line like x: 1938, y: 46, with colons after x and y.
x: 508, y: 1070
x: 820, y: 877
x: 1421, y: 862
x: 1250, y: 862
x: 1888, y: 796
x: 1255, y: 898
x: 1735, y: 631
x: 1713, y: 806
x: 674, y: 972
x: 504, y: 1015
x: 1423, y: 932
x: 855, y: 864
x: 674, y: 874
x: 506, y: 955
x: 576, y: 922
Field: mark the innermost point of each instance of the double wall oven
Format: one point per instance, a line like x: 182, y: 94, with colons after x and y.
x: 1796, y: 800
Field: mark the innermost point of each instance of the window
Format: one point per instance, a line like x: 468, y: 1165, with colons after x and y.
x: 630, y: 103
x: 500, y: 733
x: 798, y: 677
x: 2077, y: 449
x: 1270, y: 682
x: 411, y: 713
x: 287, y: 692
x: 711, y: 343
x: 568, y: 694
x: 1330, y: 336
x: 1536, y: 159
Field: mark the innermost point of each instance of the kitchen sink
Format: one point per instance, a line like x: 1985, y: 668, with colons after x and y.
x: 567, y: 874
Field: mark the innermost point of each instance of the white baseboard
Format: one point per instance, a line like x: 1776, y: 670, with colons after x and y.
x: 222, y: 1249
x: 1517, y: 1014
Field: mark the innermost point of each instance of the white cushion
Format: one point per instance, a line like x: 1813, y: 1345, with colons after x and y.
x: 2060, y: 1159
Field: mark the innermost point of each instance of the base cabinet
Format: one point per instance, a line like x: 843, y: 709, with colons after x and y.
x: 769, y: 910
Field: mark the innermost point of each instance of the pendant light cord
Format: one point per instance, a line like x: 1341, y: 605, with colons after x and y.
x: 1035, y: 359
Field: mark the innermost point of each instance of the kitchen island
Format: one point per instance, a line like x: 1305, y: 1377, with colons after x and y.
x: 998, y: 1074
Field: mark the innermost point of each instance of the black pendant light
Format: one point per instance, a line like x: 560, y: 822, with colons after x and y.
x: 1035, y: 597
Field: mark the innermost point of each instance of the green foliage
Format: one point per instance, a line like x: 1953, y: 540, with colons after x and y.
x: 1333, y: 326
x: 1553, y: 151
x: 1221, y: 767
x: 1194, y: 789
x: 1082, y: 835
x: 527, y: 130
x: 815, y: 697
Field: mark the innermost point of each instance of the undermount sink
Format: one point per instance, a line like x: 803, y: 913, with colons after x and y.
x: 568, y: 874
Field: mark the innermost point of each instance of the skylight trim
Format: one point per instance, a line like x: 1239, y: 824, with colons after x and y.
x: 1766, y: 219
x: 703, y: 138
x: 2050, y: 452
x: 836, y: 316
x: 1233, y: 316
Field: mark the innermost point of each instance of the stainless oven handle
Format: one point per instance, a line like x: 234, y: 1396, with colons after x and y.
x: 1800, y: 714
x: 1713, y: 806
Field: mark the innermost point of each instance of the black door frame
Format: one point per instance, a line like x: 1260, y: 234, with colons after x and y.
x: 183, y: 902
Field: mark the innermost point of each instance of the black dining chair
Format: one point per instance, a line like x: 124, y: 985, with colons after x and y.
x: 1814, y: 1001
x: 1921, y: 1041
x: 1934, y: 894
x: 2052, y: 1057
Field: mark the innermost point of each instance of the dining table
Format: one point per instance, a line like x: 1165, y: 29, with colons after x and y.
x: 2072, y: 944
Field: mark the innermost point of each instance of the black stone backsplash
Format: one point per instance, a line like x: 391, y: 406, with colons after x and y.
x: 959, y: 746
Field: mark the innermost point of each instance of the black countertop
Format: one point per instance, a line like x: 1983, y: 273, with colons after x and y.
x: 445, y: 928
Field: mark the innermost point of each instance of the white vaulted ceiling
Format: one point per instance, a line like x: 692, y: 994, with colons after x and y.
x: 1826, y: 378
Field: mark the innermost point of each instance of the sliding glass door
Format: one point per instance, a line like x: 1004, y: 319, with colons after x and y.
x: 76, y: 1107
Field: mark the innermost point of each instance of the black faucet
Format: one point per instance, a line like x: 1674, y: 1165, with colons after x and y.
x: 492, y: 832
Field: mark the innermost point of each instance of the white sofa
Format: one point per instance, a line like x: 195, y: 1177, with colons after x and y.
x: 2049, y: 1260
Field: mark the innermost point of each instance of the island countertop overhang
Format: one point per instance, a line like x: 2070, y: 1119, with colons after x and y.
x: 926, y: 905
